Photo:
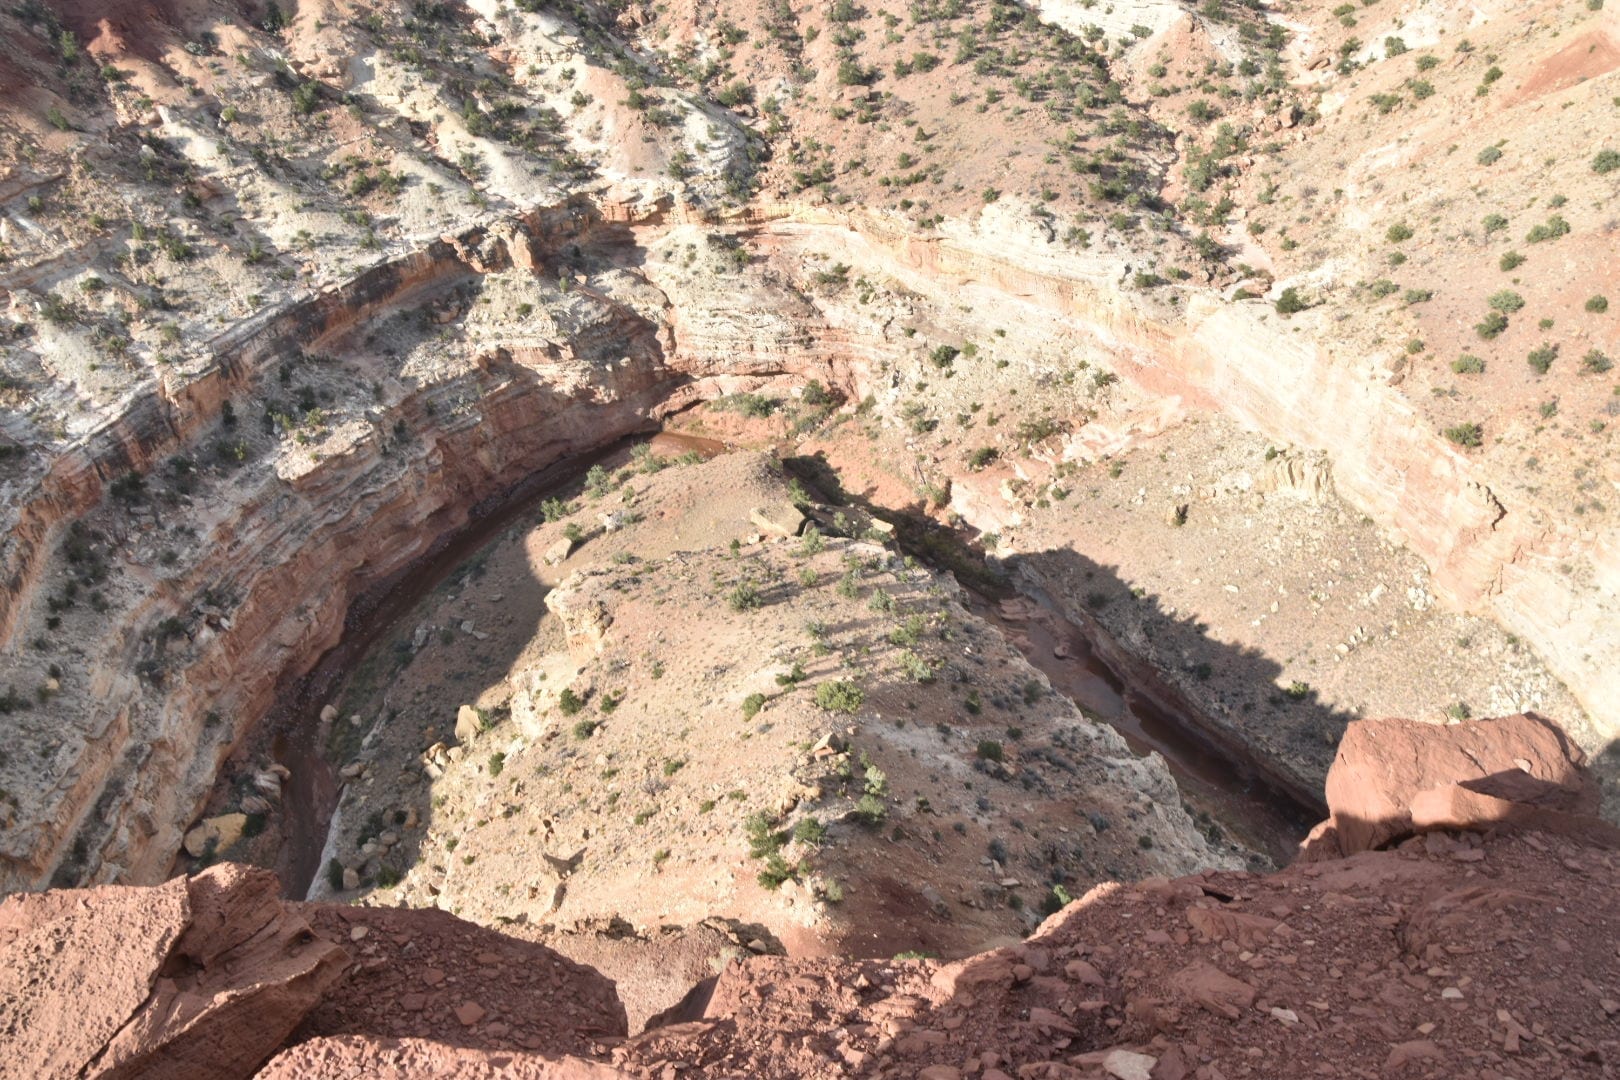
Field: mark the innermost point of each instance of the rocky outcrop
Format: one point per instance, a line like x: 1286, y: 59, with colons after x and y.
x: 1392, y: 779
x: 199, y: 978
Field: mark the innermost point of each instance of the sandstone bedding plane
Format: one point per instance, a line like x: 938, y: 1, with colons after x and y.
x: 712, y: 487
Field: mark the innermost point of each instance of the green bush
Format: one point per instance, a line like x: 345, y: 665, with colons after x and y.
x: 809, y: 831
x: 1552, y: 229
x: 1467, y: 364
x: 1489, y: 156
x: 306, y: 98
x: 1541, y: 360
x: 1495, y: 223
x: 1491, y: 325
x: 1606, y: 161
x: 585, y: 728
x: 745, y: 597
x: 569, y: 702
x: 1465, y: 434
x: 870, y: 810
x: 1510, y: 260
x: 1597, y: 305
x: 990, y: 750
x: 1596, y: 363
x: 497, y: 762
x: 1506, y: 301
x: 840, y: 696
x: 1291, y: 301
x: 752, y: 704
x: 1398, y: 232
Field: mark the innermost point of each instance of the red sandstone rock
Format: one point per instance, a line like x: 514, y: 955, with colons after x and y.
x: 1392, y: 778
x: 199, y: 978
x: 350, y: 1056
x: 423, y: 974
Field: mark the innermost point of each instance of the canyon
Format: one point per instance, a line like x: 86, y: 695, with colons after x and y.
x: 488, y: 458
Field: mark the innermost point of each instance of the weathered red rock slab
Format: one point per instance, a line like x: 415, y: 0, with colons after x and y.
x: 191, y: 980
x: 1393, y: 778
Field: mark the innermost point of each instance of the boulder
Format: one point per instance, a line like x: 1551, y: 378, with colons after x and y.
x: 468, y: 723
x: 781, y: 518
x: 558, y: 551
x: 193, y: 979
x: 215, y: 834
x: 1394, y: 778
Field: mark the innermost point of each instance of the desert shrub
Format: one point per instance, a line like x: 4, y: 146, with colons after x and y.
x: 870, y: 810
x: 1596, y: 363
x: 1506, y: 301
x: 1541, y: 359
x: 1491, y: 325
x: 1291, y: 301
x: 1467, y: 364
x: 1551, y: 229
x: 1398, y: 233
x: 1489, y: 156
x: 981, y: 457
x: 989, y: 750
x: 1606, y: 161
x: 1510, y: 260
x: 745, y: 597
x: 585, y: 728
x: 1597, y: 305
x: 497, y: 762
x: 809, y: 831
x: 569, y: 702
x: 1465, y: 434
x: 751, y: 705
x: 917, y: 668
x: 306, y: 98
x: 1495, y: 223
x: 840, y: 696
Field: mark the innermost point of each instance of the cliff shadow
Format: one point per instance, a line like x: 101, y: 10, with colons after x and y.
x: 1248, y: 744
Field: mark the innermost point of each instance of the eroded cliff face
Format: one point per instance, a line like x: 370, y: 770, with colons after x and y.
x: 379, y: 353
x: 1550, y: 581
x: 198, y: 627
x: 348, y: 504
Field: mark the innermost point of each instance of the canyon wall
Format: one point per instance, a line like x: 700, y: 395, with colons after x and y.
x: 1553, y: 582
x: 290, y: 541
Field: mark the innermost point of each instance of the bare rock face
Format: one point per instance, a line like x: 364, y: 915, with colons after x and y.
x: 1392, y: 778
x: 198, y: 978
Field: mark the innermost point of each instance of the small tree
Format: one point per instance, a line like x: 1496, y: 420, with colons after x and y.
x: 1291, y: 301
